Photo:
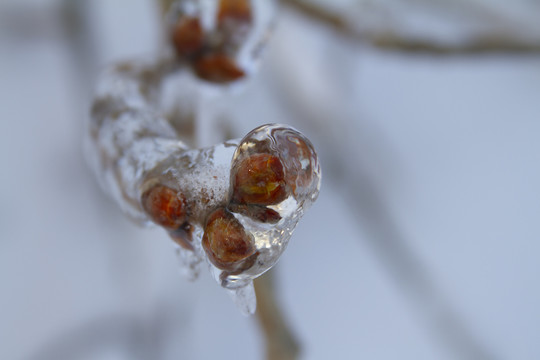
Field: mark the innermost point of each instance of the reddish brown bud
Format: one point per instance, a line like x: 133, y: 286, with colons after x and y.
x: 188, y: 36
x: 165, y: 206
x: 218, y: 68
x: 259, y: 180
x: 227, y: 244
x: 238, y: 10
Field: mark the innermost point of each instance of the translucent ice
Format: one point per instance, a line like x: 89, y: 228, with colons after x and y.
x: 275, y: 177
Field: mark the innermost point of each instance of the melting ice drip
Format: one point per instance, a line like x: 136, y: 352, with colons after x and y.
x: 233, y: 206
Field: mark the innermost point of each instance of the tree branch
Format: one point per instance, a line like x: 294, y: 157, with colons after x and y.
x: 280, y: 341
x: 488, y: 44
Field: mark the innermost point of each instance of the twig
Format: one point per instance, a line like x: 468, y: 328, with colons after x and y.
x: 487, y: 44
x: 280, y: 341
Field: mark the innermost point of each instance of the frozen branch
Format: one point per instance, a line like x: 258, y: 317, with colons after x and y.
x: 233, y: 205
x: 387, y: 40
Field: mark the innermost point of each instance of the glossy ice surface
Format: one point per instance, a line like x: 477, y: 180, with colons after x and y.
x: 275, y: 177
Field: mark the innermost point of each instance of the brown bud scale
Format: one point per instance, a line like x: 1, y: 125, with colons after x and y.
x: 165, y: 206
x: 259, y: 180
x: 257, y: 212
x: 218, y: 68
x: 239, y: 10
x: 226, y: 242
x: 188, y: 36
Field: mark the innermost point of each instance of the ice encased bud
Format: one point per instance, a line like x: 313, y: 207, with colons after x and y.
x: 275, y: 156
x: 227, y: 244
x: 165, y: 207
x: 221, y: 40
x: 275, y: 177
x: 259, y: 180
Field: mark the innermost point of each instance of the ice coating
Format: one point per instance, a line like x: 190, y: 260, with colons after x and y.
x: 127, y: 136
x: 234, y: 205
x: 275, y: 178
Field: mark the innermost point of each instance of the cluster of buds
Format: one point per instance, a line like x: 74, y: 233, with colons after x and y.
x: 233, y: 205
x: 242, y: 219
x: 211, y: 49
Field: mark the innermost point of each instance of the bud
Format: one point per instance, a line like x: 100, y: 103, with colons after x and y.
x: 227, y: 244
x: 218, y: 68
x: 165, y: 206
x: 188, y: 36
x: 236, y: 10
x: 258, y: 180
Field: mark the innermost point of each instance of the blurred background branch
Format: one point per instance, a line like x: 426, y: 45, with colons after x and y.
x: 393, y: 41
x: 281, y: 343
